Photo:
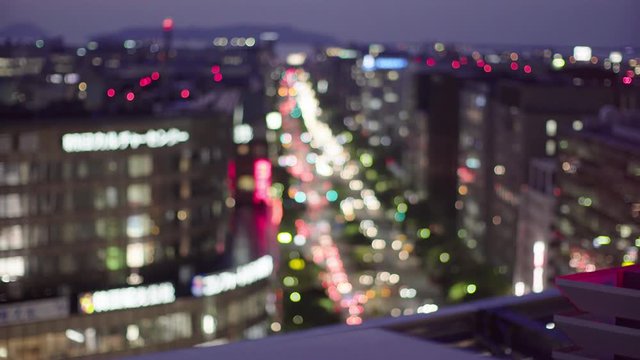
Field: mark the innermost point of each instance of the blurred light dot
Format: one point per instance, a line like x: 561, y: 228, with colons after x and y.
x: 471, y: 288
x: 295, y: 297
x: 111, y: 93
x: 184, y: 93
x: 444, y: 257
x: 130, y: 96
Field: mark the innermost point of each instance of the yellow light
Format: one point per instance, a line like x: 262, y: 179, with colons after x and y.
x: 462, y: 190
x: 282, y: 92
x: 182, y: 215
x: 285, y: 238
x: 444, y: 257
x: 296, y: 264
x: 371, y: 294
x: 385, y: 292
x: 82, y: 86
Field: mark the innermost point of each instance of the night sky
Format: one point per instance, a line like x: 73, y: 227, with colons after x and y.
x: 541, y: 22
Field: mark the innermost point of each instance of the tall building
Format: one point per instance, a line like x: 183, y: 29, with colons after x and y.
x: 598, y: 221
x: 113, y: 238
x: 537, y: 211
x: 529, y: 121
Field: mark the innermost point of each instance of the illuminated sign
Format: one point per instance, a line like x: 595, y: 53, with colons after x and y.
x: 113, y: 140
x: 30, y: 311
x: 127, y: 298
x: 341, y: 53
x: 370, y: 63
x: 244, y: 275
x: 262, y: 180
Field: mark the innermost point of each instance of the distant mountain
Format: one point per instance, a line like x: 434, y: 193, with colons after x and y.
x: 287, y: 34
x: 22, y: 31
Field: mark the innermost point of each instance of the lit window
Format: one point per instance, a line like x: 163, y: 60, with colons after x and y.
x: 135, y: 255
x: 11, y: 238
x: 140, y: 165
x: 550, y: 147
x: 11, y: 206
x: 138, y: 225
x: 12, y: 266
x: 552, y: 128
x: 139, y: 195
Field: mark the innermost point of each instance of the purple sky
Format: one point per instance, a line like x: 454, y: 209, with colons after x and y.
x: 555, y: 22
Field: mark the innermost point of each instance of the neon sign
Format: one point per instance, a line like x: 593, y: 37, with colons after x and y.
x: 113, y: 140
x: 262, y: 179
x: 242, y: 276
x: 127, y: 298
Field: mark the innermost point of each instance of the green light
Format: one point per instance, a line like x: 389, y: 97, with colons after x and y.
x: 558, y: 63
x: 462, y: 233
x: 638, y: 242
x: 402, y: 208
x: 366, y: 159
x: 457, y: 291
x: 424, y: 233
x: 471, y: 288
x: 332, y: 195
x: 399, y: 217
x: 295, y: 113
x: 290, y: 281
x: 444, y: 257
x: 295, y: 297
x: 115, y: 258
x: 371, y: 175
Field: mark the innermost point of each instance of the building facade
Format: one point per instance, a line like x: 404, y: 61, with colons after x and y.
x: 137, y: 205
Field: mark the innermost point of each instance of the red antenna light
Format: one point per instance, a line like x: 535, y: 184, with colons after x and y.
x: 184, y: 93
x: 487, y: 68
x: 527, y: 69
x: 155, y: 75
x: 215, y: 69
x: 431, y: 62
x: 130, y: 96
x: 167, y: 24
x: 514, y: 66
x: 111, y: 93
x: 217, y: 77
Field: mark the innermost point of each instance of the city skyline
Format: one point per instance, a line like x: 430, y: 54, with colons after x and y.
x: 572, y: 22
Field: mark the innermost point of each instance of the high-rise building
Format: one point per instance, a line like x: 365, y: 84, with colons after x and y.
x: 598, y: 221
x: 113, y: 238
x: 536, y: 215
x: 529, y: 121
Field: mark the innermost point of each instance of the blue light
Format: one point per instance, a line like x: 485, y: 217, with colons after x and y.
x: 473, y: 163
x: 300, y: 197
x: 389, y: 63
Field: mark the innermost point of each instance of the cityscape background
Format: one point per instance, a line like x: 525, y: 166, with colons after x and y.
x: 174, y: 175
